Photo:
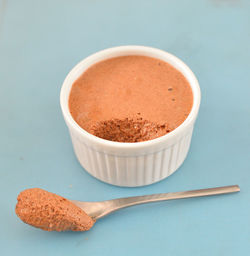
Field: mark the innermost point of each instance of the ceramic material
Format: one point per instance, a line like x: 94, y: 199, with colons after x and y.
x: 131, y: 164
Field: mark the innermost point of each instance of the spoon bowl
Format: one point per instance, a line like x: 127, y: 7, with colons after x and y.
x: 51, y: 212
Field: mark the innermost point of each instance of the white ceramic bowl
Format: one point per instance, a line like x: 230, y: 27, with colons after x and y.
x: 131, y: 164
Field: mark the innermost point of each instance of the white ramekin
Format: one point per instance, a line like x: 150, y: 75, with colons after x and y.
x: 131, y: 164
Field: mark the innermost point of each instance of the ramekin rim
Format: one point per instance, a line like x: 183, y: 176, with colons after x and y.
x: 128, y: 145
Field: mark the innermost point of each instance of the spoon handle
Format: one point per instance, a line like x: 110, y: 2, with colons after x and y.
x: 117, y: 204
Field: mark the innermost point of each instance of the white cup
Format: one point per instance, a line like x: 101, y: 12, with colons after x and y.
x: 131, y: 164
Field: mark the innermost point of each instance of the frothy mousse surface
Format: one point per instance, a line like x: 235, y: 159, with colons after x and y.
x: 130, y: 99
x: 51, y: 212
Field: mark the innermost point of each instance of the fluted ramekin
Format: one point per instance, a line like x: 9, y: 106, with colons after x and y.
x: 131, y: 164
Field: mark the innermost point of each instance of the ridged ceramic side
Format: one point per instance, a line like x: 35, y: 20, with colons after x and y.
x: 131, y: 164
x: 131, y: 171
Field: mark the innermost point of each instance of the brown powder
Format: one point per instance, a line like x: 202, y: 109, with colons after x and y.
x: 128, y: 130
x: 130, y: 99
x: 49, y: 211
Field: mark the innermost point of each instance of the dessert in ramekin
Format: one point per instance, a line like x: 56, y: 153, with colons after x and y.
x: 125, y: 163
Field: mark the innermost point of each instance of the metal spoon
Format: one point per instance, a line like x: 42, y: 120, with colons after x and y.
x: 97, y: 210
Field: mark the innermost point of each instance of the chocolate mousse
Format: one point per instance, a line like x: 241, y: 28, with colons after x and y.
x: 51, y: 212
x: 130, y: 99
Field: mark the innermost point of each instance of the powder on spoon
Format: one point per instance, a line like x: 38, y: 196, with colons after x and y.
x: 51, y: 212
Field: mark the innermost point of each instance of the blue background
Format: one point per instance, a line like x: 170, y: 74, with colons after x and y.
x: 40, y: 41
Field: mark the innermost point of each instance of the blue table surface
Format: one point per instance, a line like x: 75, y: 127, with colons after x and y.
x: 40, y: 41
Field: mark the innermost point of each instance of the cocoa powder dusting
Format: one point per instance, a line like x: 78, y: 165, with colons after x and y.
x: 130, y: 99
x: 128, y: 130
x: 51, y: 212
